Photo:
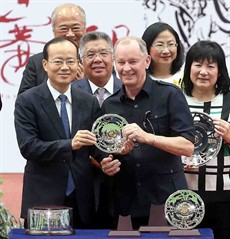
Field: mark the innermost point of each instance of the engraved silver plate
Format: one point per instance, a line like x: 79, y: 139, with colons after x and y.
x: 184, y: 209
x: 108, y: 131
x: 207, y: 142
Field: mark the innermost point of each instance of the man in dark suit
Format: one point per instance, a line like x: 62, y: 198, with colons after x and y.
x: 69, y: 21
x: 96, y: 52
x: 52, y: 157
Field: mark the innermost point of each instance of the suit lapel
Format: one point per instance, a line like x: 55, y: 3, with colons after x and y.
x: 83, y: 85
x: 86, y: 86
x: 50, y: 108
x: 117, y: 84
x: 77, y: 104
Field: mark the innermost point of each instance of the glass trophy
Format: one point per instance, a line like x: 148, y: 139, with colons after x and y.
x: 108, y: 131
x: 207, y: 142
x: 50, y: 220
x: 184, y: 209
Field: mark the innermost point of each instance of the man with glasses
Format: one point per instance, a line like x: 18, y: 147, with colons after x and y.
x: 67, y: 20
x: 53, y: 125
x: 96, y: 52
x: 161, y: 126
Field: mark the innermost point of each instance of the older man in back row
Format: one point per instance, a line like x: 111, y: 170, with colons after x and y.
x: 67, y: 20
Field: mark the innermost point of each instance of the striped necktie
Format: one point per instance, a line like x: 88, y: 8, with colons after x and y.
x: 101, y: 94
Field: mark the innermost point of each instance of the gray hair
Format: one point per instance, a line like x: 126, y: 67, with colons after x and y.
x: 129, y: 39
x: 58, y: 8
x: 93, y: 36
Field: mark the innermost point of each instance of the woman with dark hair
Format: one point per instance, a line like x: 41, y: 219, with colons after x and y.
x: 167, y: 52
x: 206, y: 87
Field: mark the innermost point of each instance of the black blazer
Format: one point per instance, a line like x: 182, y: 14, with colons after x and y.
x: 42, y: 142
x: 98, y: 174
x: 34, y: 73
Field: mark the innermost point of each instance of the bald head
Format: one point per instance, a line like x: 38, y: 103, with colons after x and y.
x: 69, y: 21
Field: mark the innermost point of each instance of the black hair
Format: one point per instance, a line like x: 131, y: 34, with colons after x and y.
x: 149, y: 36
x: 54, y: 41
x: 213, y: 52
x: 94, y: 36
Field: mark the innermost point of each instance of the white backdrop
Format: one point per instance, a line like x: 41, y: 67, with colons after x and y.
x: 25, y: 27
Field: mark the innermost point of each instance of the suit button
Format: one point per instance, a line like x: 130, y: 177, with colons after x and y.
x: 136, y: 144
x: 138, y: 165
x: 139, y: 184
x: 64, y: 161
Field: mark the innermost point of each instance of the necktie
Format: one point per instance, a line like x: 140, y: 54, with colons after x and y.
x: 101, y: 94
x: 65, y: 122
x: 64, y: 115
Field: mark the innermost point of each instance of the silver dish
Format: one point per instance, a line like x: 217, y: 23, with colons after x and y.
x: 207, y: 142
x: 184, y: 209
x: 108, y: 131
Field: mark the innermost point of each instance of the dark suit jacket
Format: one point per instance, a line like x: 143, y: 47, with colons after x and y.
x: 84, y: 84
x: 34, y: 73
x: 42, y: 142
x: 98, y: 175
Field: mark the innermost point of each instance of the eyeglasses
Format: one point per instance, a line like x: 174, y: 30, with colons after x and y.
x: 69, y: 62
x: 161, y: 46
x: 147, y: 123
x: 73, y: 29
x: 91, y: 55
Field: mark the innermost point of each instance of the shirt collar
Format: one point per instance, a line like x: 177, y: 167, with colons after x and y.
x: 108, y: 86
x: 146, y: 89
x: 56, y: 93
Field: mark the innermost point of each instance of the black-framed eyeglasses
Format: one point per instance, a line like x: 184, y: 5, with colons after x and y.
x: 103, y: 53
x: 147, y: 123
x: 60, y: 62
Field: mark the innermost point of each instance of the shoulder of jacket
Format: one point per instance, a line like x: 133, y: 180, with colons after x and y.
x: 161, y: 82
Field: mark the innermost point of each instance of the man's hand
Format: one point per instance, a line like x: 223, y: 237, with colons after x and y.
x: 80, y: 72
x: 134, y: 132
x: 83, y: 138
x: 110, y: 166
x: 127, y: 147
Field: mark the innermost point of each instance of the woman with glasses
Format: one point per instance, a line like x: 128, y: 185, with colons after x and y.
x: 166, y: 51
